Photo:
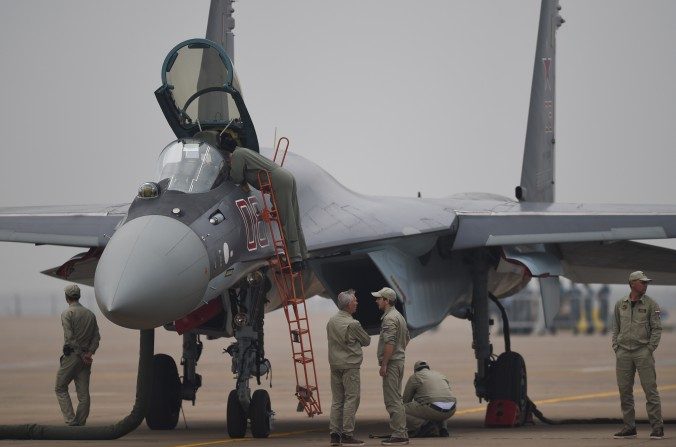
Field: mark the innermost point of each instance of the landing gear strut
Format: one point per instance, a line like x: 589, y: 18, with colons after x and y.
x: 500, y: 381
x: 248, y: 359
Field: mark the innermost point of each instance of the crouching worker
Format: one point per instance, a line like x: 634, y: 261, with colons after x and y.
x: 428, y: 402
x: 244, y: 167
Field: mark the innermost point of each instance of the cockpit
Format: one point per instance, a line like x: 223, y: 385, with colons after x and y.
x: 191, y: 166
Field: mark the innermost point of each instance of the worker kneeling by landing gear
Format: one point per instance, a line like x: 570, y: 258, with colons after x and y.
x: 428, y: 402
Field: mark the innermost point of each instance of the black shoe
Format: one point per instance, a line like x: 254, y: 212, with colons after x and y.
x: 297, y: 266
x: 625, y: 433
x: 427, y: 430
x: 657, y: 433
x: 349, y: 440
x: 394, y: 441
x: 443, y: 433
x: 335, y: 439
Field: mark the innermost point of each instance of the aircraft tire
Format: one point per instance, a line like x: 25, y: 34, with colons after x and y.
x: 260, y: 412
x: 165, y: 400
x: 236, y: 418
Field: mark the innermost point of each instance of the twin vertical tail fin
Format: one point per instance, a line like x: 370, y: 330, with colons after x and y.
x: 220, y: 25
x: 537, y: 172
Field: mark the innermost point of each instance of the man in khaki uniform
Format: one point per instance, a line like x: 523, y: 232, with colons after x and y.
x: 244, y: 167
x: 428, y: 402
x: 80, y: 341
x: 392, y: 343
x: 345, y: 340
x: 636, y: 334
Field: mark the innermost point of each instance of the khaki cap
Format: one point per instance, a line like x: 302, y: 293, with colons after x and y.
x: 638, y: 275
x: 386, y: 293
x: 72, y: 291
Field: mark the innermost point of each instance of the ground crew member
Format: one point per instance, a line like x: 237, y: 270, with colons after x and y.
x: 244, y: 167
x: 80, y: 341
x: 636, y: 334
x: 428, y: 402
x: 392, y: 343
x: 345, y: 339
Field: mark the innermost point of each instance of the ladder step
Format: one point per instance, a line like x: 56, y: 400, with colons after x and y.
x: 304, y: 360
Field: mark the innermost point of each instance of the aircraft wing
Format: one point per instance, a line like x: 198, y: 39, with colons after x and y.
x: 74, y: 226
x: 513, y: 223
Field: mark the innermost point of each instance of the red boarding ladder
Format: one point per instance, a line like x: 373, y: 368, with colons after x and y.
x: 292, y: 294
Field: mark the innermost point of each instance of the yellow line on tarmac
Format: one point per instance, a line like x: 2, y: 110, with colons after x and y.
x: 566, y: 399
x: 231, y: 440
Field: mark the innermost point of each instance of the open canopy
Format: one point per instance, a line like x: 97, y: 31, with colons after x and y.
x: 200, y: 91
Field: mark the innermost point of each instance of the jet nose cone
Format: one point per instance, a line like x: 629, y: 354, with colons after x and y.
x: 154, y: 270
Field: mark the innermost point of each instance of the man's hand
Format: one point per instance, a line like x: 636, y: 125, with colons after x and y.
x: 245, y: 187
x: 87, y: 358
x: 383, y: 370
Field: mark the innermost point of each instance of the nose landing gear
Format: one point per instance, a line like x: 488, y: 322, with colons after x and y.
x: 248, y: 360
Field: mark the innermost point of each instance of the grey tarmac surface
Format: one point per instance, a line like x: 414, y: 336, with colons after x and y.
x: 568, y: 377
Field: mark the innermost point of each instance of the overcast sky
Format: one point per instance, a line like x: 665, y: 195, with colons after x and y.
x: 391, y: 97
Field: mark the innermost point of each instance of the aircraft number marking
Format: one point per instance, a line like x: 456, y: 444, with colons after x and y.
x: 250, y: 211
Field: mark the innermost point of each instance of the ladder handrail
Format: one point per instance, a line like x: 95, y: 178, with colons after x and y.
x: 293, y: 300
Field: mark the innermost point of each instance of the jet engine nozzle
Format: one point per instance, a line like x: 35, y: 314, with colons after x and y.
x: 154, y: 270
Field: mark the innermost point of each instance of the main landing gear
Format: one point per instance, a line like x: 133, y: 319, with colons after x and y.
x: 248, y: 360
x: 502, y: 381
x: 169, y: 390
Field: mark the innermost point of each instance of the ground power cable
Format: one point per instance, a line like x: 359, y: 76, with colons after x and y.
x: 144, y: 387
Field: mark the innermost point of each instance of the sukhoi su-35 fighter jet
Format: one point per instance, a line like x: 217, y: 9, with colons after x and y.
x: 193, y: 243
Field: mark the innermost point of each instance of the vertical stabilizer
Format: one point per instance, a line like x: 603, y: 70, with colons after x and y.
x: 220, y: 25
x: 537, y: 172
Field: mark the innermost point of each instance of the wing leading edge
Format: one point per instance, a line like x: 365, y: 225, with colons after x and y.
x: 72, y: 226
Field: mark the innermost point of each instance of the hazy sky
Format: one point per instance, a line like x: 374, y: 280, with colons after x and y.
x: 391, y: 97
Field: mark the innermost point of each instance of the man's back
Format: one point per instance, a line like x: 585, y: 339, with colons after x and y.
x: 426, y: 386
x: 80, y: 330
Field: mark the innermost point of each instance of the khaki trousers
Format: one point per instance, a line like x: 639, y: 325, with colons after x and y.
x: 417, y: 414
x: 73, y: 369
x: 345, y: 393
x: 628, y: 362
x: 393, y: 400
x: 287, y: 203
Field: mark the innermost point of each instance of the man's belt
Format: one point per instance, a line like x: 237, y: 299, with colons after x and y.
x: 434, y: 406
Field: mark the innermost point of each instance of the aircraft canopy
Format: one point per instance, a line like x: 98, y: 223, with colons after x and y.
x: 192, y: 166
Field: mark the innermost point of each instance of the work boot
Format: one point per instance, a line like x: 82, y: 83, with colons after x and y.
x: 335, y: 439
x: 394, y: 441
x: 297, y: 266
x: 657, y: 433
x: 443, y: 433
x: 626, y: 433
x: 349, y: 440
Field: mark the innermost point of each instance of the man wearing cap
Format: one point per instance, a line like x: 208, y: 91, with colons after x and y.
x: 345, y: 340
x: 392, y: 343
x: 428, y: 402
x: 636, y: 334
x: 80, y: 341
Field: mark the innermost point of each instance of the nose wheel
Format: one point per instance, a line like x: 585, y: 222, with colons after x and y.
x: 236, y: 416
x: 260, y: 415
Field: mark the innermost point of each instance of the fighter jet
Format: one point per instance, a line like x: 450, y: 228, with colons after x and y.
x: 193, y: 243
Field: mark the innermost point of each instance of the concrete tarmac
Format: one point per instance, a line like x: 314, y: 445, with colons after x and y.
x: 568, y: 377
